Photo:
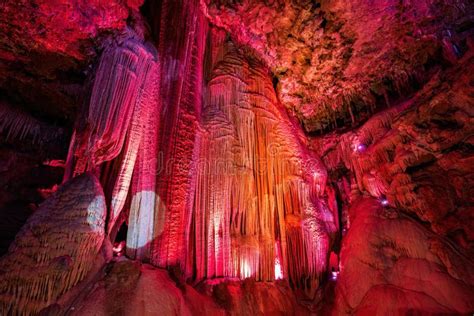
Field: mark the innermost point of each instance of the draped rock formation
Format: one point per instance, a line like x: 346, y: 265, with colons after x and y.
x: 411, y: 244
x: 142, y: 150
x: 112, y: 125
x: 262, y: 216
x: 55, y: 249
x: 180, y: 34
x: 416, y: 152
x: 257, y: 206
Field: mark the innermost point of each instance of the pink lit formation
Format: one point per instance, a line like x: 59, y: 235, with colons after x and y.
x: 241, y: 158
x: 241, y: 196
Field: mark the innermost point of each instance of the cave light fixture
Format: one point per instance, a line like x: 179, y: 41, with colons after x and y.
x: 278, y: 271
x: 383, y: 200
x: 361, y: 147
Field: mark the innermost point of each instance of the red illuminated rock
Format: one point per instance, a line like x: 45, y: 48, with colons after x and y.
x: 234, y: 204
x: 46, y: 46
x: 110, y: 129
x: 134, y: 289
x: 391, y: 263
x: 417, y: 154
x: 415, y: 252
x: 258, y: 194
x: 333, y: 59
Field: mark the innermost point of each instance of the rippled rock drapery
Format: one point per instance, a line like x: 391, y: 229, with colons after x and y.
x: 182, y: 28
x: 257, y: 208
x: 138, y: 132
x: 112, y: 125
x: 264, y: 218
x: 55, y: 249
x: 185, y: 126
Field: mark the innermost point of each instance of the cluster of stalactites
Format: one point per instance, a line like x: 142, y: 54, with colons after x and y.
x: 17, y: 125
x: 239, y: 196
x: 139, y: 129
x: 109, y: 133
x: 256, y: 205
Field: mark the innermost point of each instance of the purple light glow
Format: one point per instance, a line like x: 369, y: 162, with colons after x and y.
x: 361, y: 147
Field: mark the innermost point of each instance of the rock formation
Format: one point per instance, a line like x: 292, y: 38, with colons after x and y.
x: 416, y: 271
x: 55, y: 249
x: 236, y: 157
x: 257, y: 199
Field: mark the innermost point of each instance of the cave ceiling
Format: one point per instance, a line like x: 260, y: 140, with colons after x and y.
x: 334, y: 63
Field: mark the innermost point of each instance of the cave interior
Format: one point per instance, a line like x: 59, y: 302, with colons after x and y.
x: 236, y: 157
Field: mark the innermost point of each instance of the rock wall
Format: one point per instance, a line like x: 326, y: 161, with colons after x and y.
x: 410, y: 245
x: 390, y: 263
x: 184, y: 123
x: 416, y: 155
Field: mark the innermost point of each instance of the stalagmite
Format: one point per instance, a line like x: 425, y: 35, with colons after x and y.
x: 55, y: 249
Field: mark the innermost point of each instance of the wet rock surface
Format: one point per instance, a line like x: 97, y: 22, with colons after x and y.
x: 377, y: 194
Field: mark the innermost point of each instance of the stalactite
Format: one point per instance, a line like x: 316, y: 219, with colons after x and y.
x: 55, y: 249
x: 360, y: 151
x: 109, y: 132
x: 254, y: 175
x: 17, y: 125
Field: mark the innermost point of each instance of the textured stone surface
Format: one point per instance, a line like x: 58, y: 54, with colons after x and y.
x: 258, y: 189
x: 388, y: 84
x: 45, y: 47
x: 134, y: 289
x: 418, y: 155
x: 111, y: 125
x: 334, y: 59
x: 392, y: 264
x: 55, y: 249
x: 416, y: 252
